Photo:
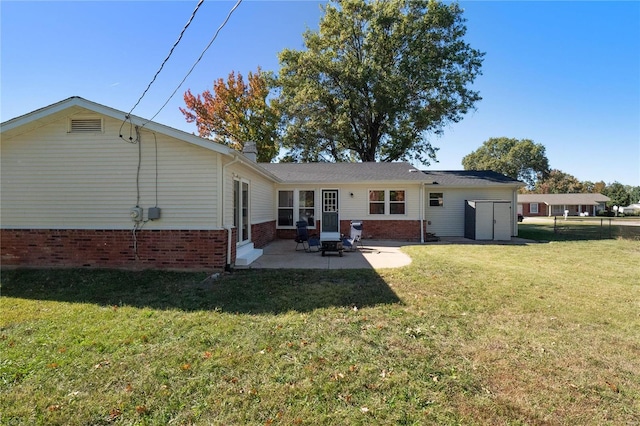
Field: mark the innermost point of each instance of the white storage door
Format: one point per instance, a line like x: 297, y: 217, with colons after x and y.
x: 501, y: 221
x: 484, y: 221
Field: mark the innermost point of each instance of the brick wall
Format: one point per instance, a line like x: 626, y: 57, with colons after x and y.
x: 162, y: 249
x: 263, y: 233
x: 542, y: 210
x: 402, y: 230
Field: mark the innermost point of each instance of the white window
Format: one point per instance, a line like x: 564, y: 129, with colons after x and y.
x: 436, y: 199
x: 396, y: 202
x: 376, y: 202
x: 306, y: 207
x: 386, y: 202
x: 295, y: 205
x: 533, y: 208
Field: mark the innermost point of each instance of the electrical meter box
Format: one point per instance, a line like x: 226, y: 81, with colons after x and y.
x: 153, y: 213
x: 136, y: 214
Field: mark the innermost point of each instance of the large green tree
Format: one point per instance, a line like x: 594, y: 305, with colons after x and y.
x: 618, y: 193
x: 518, y: 158
x: 559, y: 182
x: 592, y: 187
x: 237, y: 112
x: 376, y: 80
x: 634, y: 194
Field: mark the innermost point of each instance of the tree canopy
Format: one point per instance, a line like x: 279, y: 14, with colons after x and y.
x: 559, y: 182
x: 237, y: 112
x: 518, y: 158
x: 620, y: 196
x: 375, y: 80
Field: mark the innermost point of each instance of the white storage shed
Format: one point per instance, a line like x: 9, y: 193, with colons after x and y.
x: 488, y: 220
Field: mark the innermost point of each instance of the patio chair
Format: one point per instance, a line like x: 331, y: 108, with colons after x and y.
x: 355, y: 236
x: 302, y: 235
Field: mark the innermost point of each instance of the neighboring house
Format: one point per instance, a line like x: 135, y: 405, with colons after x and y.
x: 80, y: 186
x: 556, y: 204
x: 630, y: 209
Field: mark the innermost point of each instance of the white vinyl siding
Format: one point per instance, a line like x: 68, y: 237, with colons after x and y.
x: 261, y: 193
x: 55, y: 179
x: 356, y: 207
x: 448, y: 220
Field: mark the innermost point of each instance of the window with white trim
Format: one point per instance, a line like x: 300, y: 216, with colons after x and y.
x: 436, y: 199
x: 533, y: 208
x: 376, y: 202
x: 295, y: 205
x: 396, y: 202
x: 387, y: 201
x: 306, y: 207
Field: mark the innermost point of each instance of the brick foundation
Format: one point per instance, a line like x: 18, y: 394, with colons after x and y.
x: 402, y: 230
x: 263, y: 233
x: 159, y: 249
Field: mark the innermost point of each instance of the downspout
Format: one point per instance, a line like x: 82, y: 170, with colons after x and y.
x: 514, y: 217
x: 421, y: 200
x: 229, y: 228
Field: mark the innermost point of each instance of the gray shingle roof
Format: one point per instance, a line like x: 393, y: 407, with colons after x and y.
x: 467, y: 178
x: 344, y: 172
x: 564, y: 199
x: 383, y: 172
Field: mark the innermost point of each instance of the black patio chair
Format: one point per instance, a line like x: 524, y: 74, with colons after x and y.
x: 302, y: 235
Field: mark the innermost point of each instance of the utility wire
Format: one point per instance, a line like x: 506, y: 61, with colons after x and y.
x: 168, y: 56
x: 198, y: 60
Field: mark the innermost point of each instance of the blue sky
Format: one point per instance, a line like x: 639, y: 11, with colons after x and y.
x: 564, y: 74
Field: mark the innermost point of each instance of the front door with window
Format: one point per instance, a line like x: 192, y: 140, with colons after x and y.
x: 330, y: 222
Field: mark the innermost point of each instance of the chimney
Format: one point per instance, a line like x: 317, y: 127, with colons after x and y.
x: 250, y: 151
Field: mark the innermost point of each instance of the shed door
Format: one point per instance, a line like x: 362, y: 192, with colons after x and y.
x: 501, y: 221
x: 484, y: 221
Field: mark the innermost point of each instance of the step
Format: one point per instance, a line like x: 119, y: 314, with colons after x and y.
x: 246, y: 254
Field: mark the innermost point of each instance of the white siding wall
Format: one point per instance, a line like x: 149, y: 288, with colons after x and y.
x: 53, y: 179
x: 448, y: 221
x: 262, y: 193
x: 357, y: 207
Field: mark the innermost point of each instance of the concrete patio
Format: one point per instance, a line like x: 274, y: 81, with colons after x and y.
x: 376, y: 254
x: 281, y: 254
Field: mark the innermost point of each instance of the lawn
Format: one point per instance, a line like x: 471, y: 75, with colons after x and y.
x: 580, y: 228
x: 466, y: 334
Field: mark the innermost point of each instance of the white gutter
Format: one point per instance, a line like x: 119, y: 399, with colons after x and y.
x: 421, y: 200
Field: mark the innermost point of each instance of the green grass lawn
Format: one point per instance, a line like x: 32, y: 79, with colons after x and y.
x: 580, y: 228
x: 466, y: 334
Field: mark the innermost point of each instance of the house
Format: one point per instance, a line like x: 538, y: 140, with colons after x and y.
x: 556, y: 204
x: 81, y: 185
x: 632, y: 209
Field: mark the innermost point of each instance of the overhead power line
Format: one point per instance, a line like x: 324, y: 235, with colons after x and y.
x: 198, y: 60
x: 193, y: 14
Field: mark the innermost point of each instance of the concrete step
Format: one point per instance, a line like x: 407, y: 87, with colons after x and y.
x: 246, y: 254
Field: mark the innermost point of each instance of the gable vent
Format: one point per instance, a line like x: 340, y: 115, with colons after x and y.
x: 86, y: 125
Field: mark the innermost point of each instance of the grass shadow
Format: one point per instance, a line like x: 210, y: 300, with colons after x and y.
x: 251, y: 291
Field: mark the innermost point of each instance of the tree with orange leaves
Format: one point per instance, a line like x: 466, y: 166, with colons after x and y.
x: 237, y: 112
